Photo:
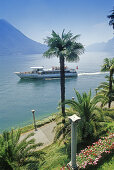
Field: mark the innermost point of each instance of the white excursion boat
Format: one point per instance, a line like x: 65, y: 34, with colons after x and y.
x: 41, y: 73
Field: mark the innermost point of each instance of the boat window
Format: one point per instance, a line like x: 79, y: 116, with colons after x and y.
x: 67, y: 71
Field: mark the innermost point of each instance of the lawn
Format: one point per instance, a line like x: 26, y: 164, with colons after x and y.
x: 55, y: 157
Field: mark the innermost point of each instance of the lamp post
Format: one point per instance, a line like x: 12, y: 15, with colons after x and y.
x: 96, y: 90
x: 73, y: 98
x: 33, y: 112
x: 73, y: 120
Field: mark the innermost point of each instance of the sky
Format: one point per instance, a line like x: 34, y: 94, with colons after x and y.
x: 37, y: 18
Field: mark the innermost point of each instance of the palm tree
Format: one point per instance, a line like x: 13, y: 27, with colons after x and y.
x: 66, y: 48
x: 109, y: 66
x: 91, y: 116
x: 111, y: 22
x: 60, y: 133
x: 103, y: 92
x: 91, y: 122
x: 15, y: 153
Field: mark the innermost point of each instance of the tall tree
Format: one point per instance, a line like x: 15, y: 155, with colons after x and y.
x: 111, y: 16
x: 103, y: 92
x: 109, y: 66
x: 66, y: 48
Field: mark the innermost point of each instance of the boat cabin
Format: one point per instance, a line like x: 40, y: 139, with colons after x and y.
x: 37, y: 69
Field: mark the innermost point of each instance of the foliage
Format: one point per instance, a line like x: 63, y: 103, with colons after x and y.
x: 111, y: 16
x: 104, y: 93
x: 62, y: 130
x: 91, y: 126
x: 55, y: 157
x: 15, y: 153
x: 92, y: 154
x: 108, y: 65
x: 65, y: 47
x: 91, y: 116
x: 108, y: 114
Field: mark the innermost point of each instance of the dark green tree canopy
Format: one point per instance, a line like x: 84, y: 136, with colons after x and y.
x: 64, y: 46
x: 108, y: 64
x: 111, y: 16
x: 15, y: 153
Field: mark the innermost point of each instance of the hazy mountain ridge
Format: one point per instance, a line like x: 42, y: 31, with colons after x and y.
x: 104, y: 46
x: 12, y: 41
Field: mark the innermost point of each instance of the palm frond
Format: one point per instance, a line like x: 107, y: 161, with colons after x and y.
x: 73, y: 104
x: 78, y: 96
x: 65, y: 45
x: 15, y: 153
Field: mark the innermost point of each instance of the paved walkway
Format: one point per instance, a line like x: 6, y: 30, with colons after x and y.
x: 44, y: 134
x: 106, y: 106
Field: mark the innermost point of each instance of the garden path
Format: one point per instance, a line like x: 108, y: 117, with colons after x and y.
x: 45, y: 134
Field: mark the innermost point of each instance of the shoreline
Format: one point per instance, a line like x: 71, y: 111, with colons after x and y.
x: 30, y: 126
x: 39, y: 123
x: 43, y: 121
x: 49, y: 119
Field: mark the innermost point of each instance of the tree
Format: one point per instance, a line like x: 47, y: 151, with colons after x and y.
x: 91, y: 116
x: 103, y: 92
x: 15, y: 153
x: 91, y: 121
x: 109, y: 66
x: 66, y: 48
x: 111, y: 16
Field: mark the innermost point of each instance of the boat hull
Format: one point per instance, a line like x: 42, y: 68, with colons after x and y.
x: 43, y: 76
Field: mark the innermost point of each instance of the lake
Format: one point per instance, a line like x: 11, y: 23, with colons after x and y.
x: 19, y: 97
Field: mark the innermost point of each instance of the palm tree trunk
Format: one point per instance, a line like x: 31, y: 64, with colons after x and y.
x: 110, y: 87
x: 62, y: 82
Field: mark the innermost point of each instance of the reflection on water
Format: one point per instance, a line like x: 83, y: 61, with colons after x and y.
x: 48, y: 81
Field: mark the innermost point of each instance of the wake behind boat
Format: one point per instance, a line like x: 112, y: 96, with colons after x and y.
x: 42, y: 73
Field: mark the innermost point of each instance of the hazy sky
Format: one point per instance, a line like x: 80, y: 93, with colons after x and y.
x: 37, y: 18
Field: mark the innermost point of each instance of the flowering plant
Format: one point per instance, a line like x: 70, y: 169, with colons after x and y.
x: 92, y: 154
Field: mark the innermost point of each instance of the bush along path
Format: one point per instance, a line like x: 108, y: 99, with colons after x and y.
x: 91, y: 156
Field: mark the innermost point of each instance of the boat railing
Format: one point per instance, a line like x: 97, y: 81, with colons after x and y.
x: 58, y: 68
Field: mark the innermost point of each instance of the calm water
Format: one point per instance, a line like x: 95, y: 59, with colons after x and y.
x: 19, y: 97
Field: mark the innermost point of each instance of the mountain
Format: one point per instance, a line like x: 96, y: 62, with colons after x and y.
x: 12, y: 41
x: 104, y: 46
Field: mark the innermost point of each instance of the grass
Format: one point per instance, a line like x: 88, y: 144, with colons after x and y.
x: 106, y: 164
x: 55, y: 157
